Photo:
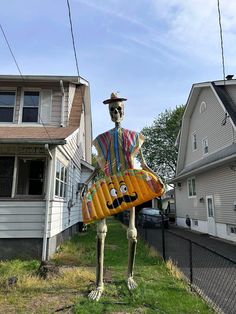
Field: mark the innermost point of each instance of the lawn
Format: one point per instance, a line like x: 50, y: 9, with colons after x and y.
x: 66, y: 292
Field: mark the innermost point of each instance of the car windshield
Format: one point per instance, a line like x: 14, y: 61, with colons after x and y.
x: 151, y: 211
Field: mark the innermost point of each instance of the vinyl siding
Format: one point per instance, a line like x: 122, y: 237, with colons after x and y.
x: 22, y: 219
x: 220, y: 183
x: 207, y: 124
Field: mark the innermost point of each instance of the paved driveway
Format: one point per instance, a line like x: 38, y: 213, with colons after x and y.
x: 213, y: 275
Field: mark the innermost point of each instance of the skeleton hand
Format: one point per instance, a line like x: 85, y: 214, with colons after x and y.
x: 131, y: 283
x: 132, y: 234
x: 96, y: 294
x: 83, y: 191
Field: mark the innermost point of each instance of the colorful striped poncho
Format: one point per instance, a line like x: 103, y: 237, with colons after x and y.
x: 116, y: 149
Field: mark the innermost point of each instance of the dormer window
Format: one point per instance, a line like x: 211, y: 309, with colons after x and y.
x: 7, y: 103
x: 205, y: 145
x: 30, y: 106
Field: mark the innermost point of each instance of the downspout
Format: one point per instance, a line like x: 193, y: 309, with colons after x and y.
x: 49, y: 181
x: 63, y: 103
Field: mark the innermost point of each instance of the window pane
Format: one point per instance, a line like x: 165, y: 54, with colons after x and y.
x: 31, y: 99
x: 6, y: 114
x: 62, y: 173
x: 57, y: 188
x: 190, y: 188
x: 58, y: 170
x: 61, y: 189
x: 30, y: 177
x: 7, y: 99
x: 30, y: 115
x: 193, y: 187
x: 6, y: 175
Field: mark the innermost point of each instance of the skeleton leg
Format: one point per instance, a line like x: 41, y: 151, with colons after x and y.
x: 132, y: 238
x: 101, y: 235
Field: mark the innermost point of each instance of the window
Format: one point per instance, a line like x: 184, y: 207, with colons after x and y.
x: 30, y: 106
x: 205, y: 145
x: 6, y: 176
x: 232, y: 229
x: 30, y: 176
x: 194, y: 141
x: 191, y: 187
x: 61, y: 180
x: 203, y: 107
x: 7, y: 103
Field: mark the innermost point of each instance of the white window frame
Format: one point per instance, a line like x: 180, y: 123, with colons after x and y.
x: 203, y: 107
x: 62, y: 180
x: 191, y: 193
x: 205, y: 140
x: 9, y: 89
x: 194, y: 141
x: 28, y: 89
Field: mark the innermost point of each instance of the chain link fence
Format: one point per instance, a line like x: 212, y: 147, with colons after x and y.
x: 208, y: 272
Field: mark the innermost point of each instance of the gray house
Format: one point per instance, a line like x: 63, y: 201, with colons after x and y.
x: 205, y: 182
x: 45, y: 153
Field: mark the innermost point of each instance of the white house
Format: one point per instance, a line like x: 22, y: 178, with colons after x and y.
x: 206, y: 169
x: 45, y: 153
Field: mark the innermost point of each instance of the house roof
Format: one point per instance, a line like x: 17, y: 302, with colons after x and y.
x: 36, y: 135
x: 221, y: 91
x: 217, y: 158
x: 226, y: 100
x: 44, y: 78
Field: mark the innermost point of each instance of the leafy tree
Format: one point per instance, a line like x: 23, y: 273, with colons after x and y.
x: 159, y: 148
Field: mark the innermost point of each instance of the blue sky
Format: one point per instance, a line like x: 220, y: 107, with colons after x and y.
x: 151, y: 51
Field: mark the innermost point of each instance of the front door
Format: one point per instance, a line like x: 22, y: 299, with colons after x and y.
x: 210, y: 215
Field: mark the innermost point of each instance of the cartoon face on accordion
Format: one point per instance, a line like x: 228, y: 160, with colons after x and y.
x: 116, y: 193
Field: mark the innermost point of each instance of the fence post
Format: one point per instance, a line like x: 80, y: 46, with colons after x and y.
x: 163, y: 238
x: 145, y: 226
x: 191, y: 262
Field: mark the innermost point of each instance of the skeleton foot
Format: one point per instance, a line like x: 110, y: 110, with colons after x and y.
x: 95, y: 295
x: 131, y: 284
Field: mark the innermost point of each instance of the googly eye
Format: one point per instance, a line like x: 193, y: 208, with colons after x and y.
x: 123, y: 188
x: 113, y: 192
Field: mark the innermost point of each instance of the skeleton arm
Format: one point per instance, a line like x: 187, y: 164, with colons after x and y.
x: 143, y: 163
x: 90, y: 178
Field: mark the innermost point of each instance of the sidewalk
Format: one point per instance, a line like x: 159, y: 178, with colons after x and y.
x: 224, y: 247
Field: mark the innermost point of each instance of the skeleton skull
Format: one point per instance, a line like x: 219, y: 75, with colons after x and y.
x: 116, y: 110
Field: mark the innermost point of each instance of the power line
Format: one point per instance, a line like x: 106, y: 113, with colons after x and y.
x: 221, y: 40
x: 73, y: 39
x: 11, y: 50
x: 75, y: 54
x: 17, y: 65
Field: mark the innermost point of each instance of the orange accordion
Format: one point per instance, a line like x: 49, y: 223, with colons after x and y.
x: 116, y: 193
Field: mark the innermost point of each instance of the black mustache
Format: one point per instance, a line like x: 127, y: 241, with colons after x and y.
x: 119, y: 200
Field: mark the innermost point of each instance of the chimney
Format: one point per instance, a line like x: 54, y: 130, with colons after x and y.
x: 229, y: 77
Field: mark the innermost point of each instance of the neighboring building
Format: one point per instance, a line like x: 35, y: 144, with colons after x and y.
x: 168, y: 198
x: 45, y: 153
x: 206, y: 170
x: 168, y: 204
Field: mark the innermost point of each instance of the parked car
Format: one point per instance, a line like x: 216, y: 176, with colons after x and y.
x: 152, y: 217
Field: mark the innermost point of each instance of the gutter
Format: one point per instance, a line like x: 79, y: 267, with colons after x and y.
x: 29, y: 141
x: 49, y: 183
x: 63, y: 103
x: 202, y: 168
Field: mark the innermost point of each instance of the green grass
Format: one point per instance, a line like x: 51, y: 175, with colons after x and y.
x: 158, y: 290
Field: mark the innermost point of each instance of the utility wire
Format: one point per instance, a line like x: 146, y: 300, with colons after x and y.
x: 221, y: 40
x: 11, y: 50
x: 74, y: 49
x: 17, y: 65
x: 73, y: 39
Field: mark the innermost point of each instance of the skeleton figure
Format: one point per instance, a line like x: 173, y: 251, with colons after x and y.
x: 116, y: 149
